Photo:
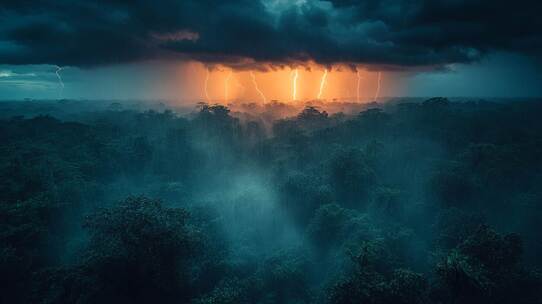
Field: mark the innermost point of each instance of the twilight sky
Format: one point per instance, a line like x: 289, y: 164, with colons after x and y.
x: 172, y: 49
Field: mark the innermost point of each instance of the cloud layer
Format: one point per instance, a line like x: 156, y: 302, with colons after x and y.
x: 392, y: 33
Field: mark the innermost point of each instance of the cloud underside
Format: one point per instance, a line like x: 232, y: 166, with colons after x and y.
x: 393, y: 34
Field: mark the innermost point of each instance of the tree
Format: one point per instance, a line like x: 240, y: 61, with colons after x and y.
x: 350, y: 177
x: 486, y: 268
x: 138, y: 252
x: 373, y: 281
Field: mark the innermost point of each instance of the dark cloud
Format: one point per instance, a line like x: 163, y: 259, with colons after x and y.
x: 395, y: 33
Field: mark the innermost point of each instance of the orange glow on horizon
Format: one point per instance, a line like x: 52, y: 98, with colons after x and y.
x: 307, y: 82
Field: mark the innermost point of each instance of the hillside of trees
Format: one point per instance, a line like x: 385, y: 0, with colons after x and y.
x: 430, y: 202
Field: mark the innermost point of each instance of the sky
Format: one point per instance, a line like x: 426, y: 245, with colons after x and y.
x: 250, y: 50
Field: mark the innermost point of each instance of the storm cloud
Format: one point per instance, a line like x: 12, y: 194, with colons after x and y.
x: 389, y: 33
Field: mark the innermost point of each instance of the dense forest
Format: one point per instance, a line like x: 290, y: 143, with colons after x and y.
x: 409, y: 202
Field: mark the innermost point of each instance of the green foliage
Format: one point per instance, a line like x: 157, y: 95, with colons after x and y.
x: 335, y: 227
x: 282, y: 278
x: 302, y: 195
x: 350, y: 177
x: 485, y: 268
x: 391, y: 205
x: 454, y: 226
x: 139, y: 251
x: 387, y: 201
x: 328, y: 225
x: 373, y: 280
x: 230, y: 291
x: 24, y: 228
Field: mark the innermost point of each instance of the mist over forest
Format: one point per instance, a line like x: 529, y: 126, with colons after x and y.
x: 402, y: 202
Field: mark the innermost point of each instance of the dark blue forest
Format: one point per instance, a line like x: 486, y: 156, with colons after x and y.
x: 407, y: 202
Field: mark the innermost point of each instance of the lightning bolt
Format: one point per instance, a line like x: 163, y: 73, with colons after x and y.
x: 205, y: 84
x: 226, y: 85
x: 57, y: 72
x: 377, y: 93
x: 256, y: 87
x: 359, y: 82
x: 294, y: 93
x: 322, y: 83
